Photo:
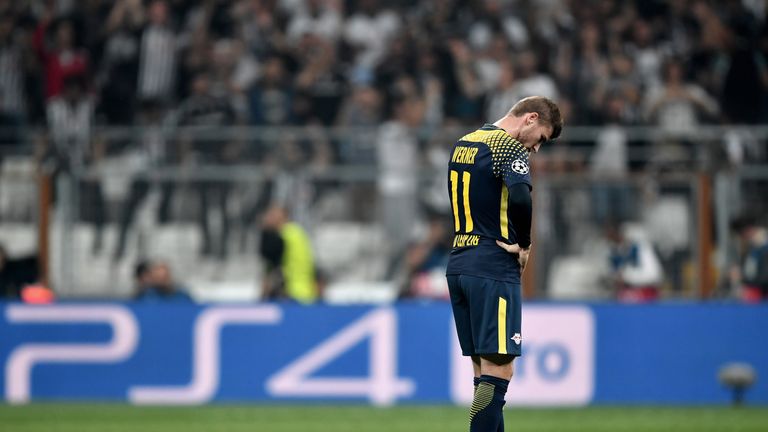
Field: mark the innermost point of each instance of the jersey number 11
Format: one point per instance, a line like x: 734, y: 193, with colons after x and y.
x: 465, y: 178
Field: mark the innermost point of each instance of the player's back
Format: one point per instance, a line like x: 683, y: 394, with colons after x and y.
x: 481, y: 163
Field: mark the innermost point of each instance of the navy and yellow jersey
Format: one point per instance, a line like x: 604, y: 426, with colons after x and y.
x: 483, y: 165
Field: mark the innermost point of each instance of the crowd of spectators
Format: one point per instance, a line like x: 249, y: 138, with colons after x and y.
x: 673, y: 63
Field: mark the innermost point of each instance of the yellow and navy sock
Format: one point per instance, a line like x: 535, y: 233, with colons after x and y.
x: 485, y: 414
x: 476, y: 382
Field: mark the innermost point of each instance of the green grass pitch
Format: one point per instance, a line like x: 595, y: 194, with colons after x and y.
x: 332, y: 418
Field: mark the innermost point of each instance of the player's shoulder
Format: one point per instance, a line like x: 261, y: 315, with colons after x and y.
x: 508, y: 155
x: 496, y: 138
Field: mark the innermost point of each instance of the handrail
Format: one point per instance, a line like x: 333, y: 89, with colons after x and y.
x: 570, y: 132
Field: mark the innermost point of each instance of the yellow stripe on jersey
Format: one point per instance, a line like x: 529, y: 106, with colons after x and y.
x: 502, y: 325
x: 455, y: 199
x: 467, y: 212
x: 503, y: 212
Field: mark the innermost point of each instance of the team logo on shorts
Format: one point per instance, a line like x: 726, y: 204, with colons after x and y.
x: 517, y: 338
x: 519, y: 166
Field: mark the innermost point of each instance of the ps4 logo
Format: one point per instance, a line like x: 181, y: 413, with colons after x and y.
x: 381, y: 386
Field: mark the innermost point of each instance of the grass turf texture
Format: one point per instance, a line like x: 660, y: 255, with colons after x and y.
x: 321, y: 418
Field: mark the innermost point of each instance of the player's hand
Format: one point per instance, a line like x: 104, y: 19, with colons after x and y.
x: 522, y: 257
x: 522, y: 254
x: 511, y: 248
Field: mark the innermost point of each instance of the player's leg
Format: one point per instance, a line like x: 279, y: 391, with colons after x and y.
x: 487, y: 411
x: 500, y: 427
x: 497, y: 365
x: 495, y: 310
x: 477, y: 371
x: 461, y: 315
x: 476, y: 368
x: 476, y: 381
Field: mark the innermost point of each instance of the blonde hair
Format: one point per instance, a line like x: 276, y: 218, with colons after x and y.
x: 547, y: 110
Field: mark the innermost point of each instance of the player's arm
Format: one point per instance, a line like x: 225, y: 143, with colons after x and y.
x: 513, y: 168
x: 520, y: 214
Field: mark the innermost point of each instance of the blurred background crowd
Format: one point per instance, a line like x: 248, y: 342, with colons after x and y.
x: 675, y: 64
x: 239, y: 138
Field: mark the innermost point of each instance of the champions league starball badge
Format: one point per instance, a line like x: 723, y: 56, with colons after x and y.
x: 519, y: 167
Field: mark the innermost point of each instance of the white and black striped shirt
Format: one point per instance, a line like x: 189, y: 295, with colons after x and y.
x: 157, y: 68
x: 11, y: 80
x: 69, y: 125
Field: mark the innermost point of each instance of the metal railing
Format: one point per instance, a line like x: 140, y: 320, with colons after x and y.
x: 330, y: 194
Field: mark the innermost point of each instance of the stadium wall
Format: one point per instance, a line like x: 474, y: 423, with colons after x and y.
x: 574, y: 354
